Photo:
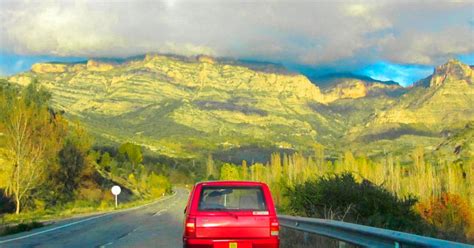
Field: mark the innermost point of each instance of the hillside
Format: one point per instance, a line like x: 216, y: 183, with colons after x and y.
x: 350, y: 86
x: 442, y: 102
x: 180, y: 107
x: 443, y: 99
x: 458, y: 145
x: 186, y: 107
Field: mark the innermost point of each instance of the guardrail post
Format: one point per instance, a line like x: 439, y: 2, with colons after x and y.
x: 397, y: 245
x: 342, y: 244
x: 305, y: 237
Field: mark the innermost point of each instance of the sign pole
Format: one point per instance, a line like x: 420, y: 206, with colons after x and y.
x: 116, y: 191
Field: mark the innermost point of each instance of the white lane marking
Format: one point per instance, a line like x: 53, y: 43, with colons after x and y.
x: 52, y: 229
x: 159, y: 212
x: 80, y: 221
x: 110, y: 243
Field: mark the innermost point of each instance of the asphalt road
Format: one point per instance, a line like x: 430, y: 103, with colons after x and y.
x: 159, y: 224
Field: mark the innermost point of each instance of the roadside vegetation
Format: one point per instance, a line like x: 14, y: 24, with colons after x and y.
x: 419, y: 196
x: 23, y: 227
x: 50, y: 168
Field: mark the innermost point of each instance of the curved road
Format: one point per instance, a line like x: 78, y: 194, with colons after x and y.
x: 155, y: 225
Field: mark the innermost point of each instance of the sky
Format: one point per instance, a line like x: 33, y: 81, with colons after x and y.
x: 392, y: 40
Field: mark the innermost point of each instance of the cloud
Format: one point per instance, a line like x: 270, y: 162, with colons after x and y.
x: 186, y: 49
x: 300, y: 32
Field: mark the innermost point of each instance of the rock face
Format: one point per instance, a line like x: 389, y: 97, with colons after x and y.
x: 445, y: 98
x: 150, y: 56
x: 48, y: 68
x: 347, y: 89
x: 349, y: 86
x: 206, y: 59
x: 452, y: 72
x: 181, y: 106
x: 207, y: 75
x: 93, y: 65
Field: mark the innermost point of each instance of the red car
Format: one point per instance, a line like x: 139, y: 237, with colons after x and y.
x: 230, y: 214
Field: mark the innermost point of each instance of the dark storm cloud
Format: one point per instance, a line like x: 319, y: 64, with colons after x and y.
x: 310, y: 33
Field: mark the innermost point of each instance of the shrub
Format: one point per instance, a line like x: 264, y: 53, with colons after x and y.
x: 451, y: 215
x: 6, y: 203
x: 90, y: 194
x: 39, y: 204
x: 158, y: 185
x: 341, y: 197
x: 104, y: 204
x: 23, y: 227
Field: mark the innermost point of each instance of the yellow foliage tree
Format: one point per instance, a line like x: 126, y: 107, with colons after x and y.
x: 31, y: 138
x: 245, y: 170
x: 229, y: 172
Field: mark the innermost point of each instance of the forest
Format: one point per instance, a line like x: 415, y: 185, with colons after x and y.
x: 50, y: 166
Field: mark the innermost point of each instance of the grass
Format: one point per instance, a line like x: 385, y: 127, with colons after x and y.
x: 15, y: 223
x: 22, y: 227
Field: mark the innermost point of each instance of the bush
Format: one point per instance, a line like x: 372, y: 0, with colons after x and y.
x: 451, y: 215
x: 23, y: 227
x: 104, y: 204
x: 341, y: 197
x: 90, y: 194
x: 6, y: 203
x: 158, y: 185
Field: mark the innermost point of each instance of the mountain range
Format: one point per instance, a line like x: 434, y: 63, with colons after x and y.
x: 193, y: 106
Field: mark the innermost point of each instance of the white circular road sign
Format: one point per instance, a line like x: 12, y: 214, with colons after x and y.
x: 116, y: 190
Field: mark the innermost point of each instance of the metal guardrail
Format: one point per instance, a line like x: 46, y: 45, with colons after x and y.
x: 360, y: 235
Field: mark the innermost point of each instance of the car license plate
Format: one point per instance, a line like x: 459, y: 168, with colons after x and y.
x: 233, y: 245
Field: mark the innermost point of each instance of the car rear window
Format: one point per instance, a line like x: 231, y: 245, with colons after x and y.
x: 231, y: 198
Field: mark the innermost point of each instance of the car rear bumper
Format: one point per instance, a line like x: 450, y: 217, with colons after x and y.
x: 211, y: 243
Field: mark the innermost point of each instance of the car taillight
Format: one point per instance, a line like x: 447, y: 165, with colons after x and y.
x: 274, y: 227
x: 190, y: 227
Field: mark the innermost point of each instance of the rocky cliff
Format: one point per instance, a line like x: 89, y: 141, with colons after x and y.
x: 443, y: 99
x: 185, y: 106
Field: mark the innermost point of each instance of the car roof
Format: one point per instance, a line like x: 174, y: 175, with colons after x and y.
x: 230, y: 183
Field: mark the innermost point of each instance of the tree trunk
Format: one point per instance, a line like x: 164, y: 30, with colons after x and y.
x: 17, y: 201
x: 17, y: 188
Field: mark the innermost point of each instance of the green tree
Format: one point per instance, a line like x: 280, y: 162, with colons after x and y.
x: 133, y: 153
x: 210, y: 168
x: 72, y: 164
x: 105, y: 161
x: 34, y: 95
x: 229, y: 172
